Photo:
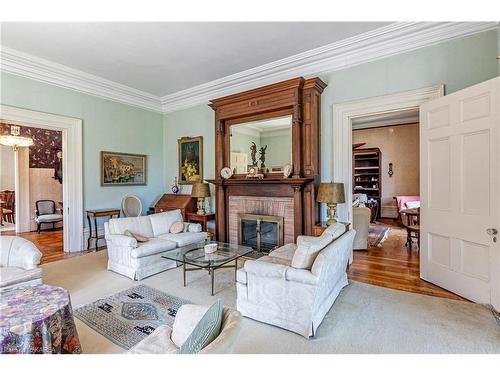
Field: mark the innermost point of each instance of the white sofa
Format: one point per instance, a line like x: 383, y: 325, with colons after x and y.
x: 19, y: 260
x: 272, y: 290
x: 138, y: 260
x: 160, y: 341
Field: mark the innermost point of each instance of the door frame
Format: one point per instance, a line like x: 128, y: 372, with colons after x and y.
x: 344, y: 113
x: 71, y: 129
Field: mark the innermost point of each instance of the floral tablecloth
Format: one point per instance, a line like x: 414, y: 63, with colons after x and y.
x: 37, y: 319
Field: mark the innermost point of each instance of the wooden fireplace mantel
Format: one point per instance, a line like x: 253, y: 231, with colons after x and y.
x: 298, y: 98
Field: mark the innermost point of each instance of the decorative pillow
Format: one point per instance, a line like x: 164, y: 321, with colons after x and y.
x: 412, y: 204
x: 335, y: 230
x: 186, y: 319
x: 177, y: 227
x: 137, y: 236
x: 308, y: 248
x: 207, y: 329
x: 194, y: 228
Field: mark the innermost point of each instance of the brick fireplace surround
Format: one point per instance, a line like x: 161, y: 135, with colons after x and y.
x: 275, y: 206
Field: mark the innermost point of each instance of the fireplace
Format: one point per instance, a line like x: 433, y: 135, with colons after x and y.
x: 261, y: 232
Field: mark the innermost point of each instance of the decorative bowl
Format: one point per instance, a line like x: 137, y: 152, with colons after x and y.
x: 210, y: 248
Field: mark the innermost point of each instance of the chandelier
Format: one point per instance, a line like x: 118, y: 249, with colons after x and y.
x: 14, y: 139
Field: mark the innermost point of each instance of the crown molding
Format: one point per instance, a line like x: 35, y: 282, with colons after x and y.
x: 36, y: 68
x: 383, y: 42
x: 386, y: 41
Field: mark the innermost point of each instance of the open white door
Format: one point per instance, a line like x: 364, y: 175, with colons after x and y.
x: 460, y: 173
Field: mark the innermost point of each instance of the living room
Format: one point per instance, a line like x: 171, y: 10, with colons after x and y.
x: 211, y: 194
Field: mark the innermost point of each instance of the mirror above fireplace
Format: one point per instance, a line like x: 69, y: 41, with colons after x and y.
x: 265, y: 143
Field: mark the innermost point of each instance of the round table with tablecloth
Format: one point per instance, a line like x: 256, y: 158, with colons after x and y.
x: 37, y: 319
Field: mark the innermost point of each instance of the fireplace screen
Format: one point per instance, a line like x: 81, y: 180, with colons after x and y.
x: 261, y: 232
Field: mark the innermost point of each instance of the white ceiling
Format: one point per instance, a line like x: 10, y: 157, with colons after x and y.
x: 164, y: 58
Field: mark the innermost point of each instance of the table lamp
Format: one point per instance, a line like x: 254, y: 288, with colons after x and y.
x: 331, y: 193
x: 201, y: 190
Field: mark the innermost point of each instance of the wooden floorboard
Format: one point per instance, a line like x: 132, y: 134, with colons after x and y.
x: 394, y: 266
x: 391, y: 266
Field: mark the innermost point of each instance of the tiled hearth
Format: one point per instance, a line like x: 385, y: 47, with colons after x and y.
x: 275, y: 206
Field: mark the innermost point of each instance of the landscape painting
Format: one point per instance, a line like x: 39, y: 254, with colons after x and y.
x: 122, y: 169
x: 190, y: 159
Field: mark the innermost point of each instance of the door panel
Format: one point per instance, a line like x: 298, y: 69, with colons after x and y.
x: 460, y: 174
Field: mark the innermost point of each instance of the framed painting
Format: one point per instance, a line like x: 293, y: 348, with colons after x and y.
x: 190, y: 160
x: 123, y: 169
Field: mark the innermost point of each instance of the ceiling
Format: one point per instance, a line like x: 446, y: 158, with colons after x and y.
x: 164, y: 58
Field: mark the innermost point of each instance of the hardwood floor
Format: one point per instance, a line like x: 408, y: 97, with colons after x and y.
x: 50, y: 244
x: 394, y: 266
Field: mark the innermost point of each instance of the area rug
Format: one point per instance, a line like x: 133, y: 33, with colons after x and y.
x: 129, y: 316
x: 377, y: 234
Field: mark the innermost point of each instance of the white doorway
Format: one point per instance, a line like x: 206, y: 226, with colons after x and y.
x: 71, y: 129
x: 343, y: 116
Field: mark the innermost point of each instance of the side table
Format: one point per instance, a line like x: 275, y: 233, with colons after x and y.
x: 193, y: 217
x: 103, y: 212
x: 319, y: 228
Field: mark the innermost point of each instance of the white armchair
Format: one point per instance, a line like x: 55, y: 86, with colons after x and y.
x: 161, y: 341
x: 274, y: 290
x: 361, y: 223
x: 19, y: 259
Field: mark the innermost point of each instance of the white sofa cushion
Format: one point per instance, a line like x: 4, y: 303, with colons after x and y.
x: 140, y: 225
x: 16, y: 275
x: 162, y: 221
x: 186, y: 319
x: 49, y: 218
x: 185, y: 238
x: 153, y: 246
x: 308, y: 248
x: 18, y: 252
x: 284, y: 252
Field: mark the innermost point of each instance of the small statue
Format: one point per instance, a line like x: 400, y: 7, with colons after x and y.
x: 253, y: 152
x: 262, y: 157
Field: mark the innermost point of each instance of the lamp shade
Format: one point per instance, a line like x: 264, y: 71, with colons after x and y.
x: 331, y: 192
x: 200, y: 190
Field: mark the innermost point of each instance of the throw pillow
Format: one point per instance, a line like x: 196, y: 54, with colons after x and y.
x: 137, y: 236
x: 308, y: 249
x: 177, y: 227
x: 412, y: 204
x: 207, y: 329
x: 186, y: 319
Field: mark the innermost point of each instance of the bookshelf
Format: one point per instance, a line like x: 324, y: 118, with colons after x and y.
x: 367, y: 167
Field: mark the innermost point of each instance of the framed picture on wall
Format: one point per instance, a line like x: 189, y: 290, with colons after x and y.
x: 190, y: 159
x: 123, y: 169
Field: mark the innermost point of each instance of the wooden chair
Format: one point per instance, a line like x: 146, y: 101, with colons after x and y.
x: 412, y: 225
x: 9, y: 207
x: 45, y: 213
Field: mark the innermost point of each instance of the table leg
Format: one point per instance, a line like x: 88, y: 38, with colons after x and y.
x: 184, y: 272
x: 212, y: 274
x: 90, y: 232
x: 96, y: 235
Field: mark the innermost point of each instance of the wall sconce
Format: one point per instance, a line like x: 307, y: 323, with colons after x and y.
x: 391, y: 172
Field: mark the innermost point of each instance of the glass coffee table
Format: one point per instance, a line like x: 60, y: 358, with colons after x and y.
x: 194, y: 255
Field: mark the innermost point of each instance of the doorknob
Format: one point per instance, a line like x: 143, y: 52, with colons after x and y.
x: 492, y: 231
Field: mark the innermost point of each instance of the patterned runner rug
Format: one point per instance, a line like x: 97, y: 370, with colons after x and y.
x: 377, y: 233
x: 129, y: 316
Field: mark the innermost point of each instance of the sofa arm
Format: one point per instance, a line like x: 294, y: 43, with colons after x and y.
x: 121, y: 240
x: 265, y: 269
x: 301, y: 276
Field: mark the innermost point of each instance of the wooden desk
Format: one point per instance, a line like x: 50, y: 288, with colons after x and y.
x: 103, y: 212
x: 193, y: 217
x: 319, y: 228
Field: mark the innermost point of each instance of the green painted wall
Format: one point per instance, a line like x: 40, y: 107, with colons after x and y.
x: 107, y: 125
x: 457, y: 64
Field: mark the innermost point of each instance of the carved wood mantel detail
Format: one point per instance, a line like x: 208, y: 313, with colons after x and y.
x: 298, y: 98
